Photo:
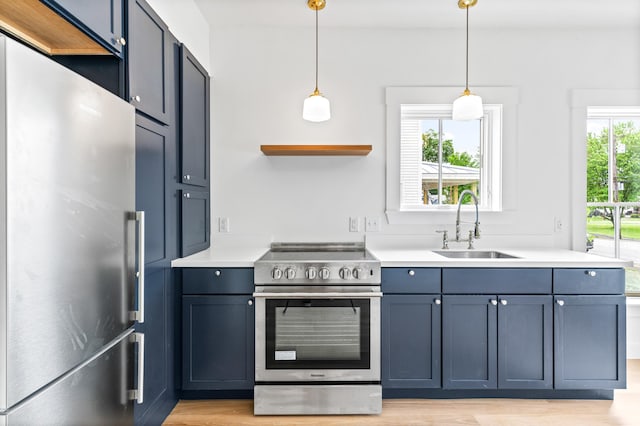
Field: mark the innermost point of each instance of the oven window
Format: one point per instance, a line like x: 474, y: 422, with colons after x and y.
x: 317, y: 333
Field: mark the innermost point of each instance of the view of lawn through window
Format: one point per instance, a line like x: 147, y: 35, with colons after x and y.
x: 613, y: 187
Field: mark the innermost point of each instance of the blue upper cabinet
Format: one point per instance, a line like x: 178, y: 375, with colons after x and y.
x: 149, y: 57
x: 101, y: 19
x: 194, y: 120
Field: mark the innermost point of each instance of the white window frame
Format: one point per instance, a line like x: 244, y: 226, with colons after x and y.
x: 500, y: 104
x: 581, y: 100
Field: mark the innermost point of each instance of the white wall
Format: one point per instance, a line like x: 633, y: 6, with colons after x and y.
x: 188, y: 25
x: 263, y: 74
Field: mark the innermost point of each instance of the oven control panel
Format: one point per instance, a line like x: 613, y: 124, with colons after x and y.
x: 317, y: 274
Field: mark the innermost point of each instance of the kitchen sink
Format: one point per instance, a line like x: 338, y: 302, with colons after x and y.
x: 474, y: 254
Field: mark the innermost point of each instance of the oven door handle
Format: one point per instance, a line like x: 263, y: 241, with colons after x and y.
x: 319, y: 295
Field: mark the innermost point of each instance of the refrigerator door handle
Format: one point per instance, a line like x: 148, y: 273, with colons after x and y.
x: 139, y: 314
x: 138, y: 394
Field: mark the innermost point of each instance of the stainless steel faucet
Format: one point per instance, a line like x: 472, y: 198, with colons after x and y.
x: 476, y: 231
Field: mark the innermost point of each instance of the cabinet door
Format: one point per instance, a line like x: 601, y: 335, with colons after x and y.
x: 194, y: 120
x: 411, y: 341
x: 525, y: 342
x: 148, y: 52
x: 590, y: 342
x: 218, y: 342
x: 469, y: 342
x: 195, y: 221
x: 103, y: 19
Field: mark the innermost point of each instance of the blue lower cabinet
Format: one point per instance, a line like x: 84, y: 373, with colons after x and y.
x: 590, y: 342
x: 218, y: 342
x: 469, y: 342
x: 411, y: 341
x: 497, y: 342
x: 525, y: 342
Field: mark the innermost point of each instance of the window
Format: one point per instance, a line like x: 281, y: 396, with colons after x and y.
x: 613, y: 187
x: 440, y: 157
x: 431, y: 159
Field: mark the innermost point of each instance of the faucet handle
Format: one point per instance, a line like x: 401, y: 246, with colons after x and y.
x: 476, y: 230
x: 445, y: 238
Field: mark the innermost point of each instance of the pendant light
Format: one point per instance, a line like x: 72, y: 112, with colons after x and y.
x: 316, y: 107
x: 468, y: 106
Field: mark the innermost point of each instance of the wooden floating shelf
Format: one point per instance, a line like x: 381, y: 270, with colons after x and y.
x: 310, y: 150
x: 36, y: 24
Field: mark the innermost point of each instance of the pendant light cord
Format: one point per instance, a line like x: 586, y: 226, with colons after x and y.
x: 467, y: 58
x: 316, y: 48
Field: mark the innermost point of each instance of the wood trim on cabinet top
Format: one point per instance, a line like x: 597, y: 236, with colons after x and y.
x: 303, y: 150
x: 41, y: 27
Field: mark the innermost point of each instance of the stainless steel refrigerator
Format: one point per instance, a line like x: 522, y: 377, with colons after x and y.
x: 70, y: 243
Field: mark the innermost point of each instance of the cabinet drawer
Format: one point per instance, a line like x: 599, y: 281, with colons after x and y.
x: 496, y: 280
x: 588, y: 281
x: 217, y: 281
x: 411, y: 280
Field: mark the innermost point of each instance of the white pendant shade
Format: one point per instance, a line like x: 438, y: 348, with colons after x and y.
x: 316, y: 108
x: 467, y: 107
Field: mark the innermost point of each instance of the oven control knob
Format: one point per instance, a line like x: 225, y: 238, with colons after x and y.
x: 276, y: 273
x: 311, y: 273
x: 290, y: 273
x: 345, y: 273
x: 358, y: 273
x: 324, y: 273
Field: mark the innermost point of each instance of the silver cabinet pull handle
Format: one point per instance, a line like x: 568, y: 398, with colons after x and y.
x: 503, y: 302
x: 437, y: 301
x: 135, y: 98
x: 592, y: 273
x: 217, y: 273
x: 560, y: 302
x: 187, y: 195
x: 494, y: 302
x: 250, y: 302
x: 121, y: 41
x: 138, y: 394
x: 138, y: 315
x: 187, y: 177
x: 411, y: 272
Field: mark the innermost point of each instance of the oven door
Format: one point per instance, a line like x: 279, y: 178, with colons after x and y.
x: 310, y: 336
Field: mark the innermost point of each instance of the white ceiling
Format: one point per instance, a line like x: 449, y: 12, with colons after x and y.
x: 426, y: 13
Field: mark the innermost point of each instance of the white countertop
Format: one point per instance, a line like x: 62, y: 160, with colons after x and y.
x: 236, y: 256
x: 243, y: 256
x: 539, y: 258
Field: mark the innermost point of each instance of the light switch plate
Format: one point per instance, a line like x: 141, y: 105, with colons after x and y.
x: 224, y: 225
x: 354, y: 224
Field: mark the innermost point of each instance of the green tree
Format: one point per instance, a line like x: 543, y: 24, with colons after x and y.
x: 449, y: 154
x: 462, y: 159
x: 430, y: 142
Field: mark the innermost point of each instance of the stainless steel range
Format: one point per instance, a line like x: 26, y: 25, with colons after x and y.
x: 317, y: 330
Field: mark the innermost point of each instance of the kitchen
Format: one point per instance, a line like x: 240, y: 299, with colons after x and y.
x: 271, y: 59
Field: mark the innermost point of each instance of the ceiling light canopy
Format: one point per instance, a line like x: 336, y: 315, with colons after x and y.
x: 468, y: 106
x: 316, y: 107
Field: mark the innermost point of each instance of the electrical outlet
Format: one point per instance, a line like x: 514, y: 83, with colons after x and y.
x: 224, y: 225
x: 372, y: 224
x: 557, y: 224
x: 354, y: 224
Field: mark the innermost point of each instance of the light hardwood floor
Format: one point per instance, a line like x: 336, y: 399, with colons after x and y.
x: 623, y: 410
